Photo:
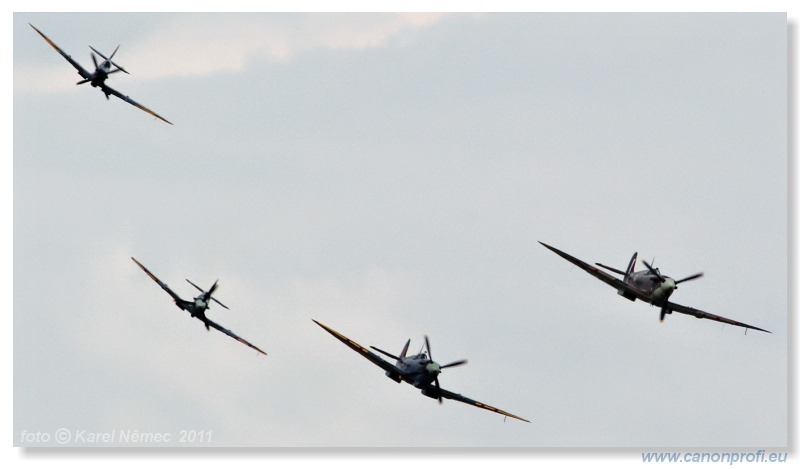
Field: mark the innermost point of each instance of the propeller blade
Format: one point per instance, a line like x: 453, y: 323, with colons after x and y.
x: 218, y: 302
x: 210, y: 292
x: 100, y: 53
x: 438, y: 388
x: 94, y: 59
x: 119, y: 67
x: 653, y: 271
x: 192, y: 284
x: 103, y: 56
x: 664, y: 312
x: 456, y: 363
x: 691, y: 277
x: 428, y: 346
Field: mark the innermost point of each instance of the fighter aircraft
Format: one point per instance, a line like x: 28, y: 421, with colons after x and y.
x: 100, y: 74
x: 418, y: 370
x: 648, y: 285
x: 197, y: 308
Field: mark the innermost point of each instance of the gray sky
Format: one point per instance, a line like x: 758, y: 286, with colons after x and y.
x: 390, y: 176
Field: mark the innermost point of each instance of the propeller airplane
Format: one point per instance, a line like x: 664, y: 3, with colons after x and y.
x: 197, y: 308
x: 102, y: 71
x: 418, y: 370
x: 649, y: 286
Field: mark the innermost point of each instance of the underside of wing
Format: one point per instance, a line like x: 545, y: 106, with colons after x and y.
x: 81, y: 71
x: 111, y: 91
x: 595, y: 272
x: 159, y: 282
x: 374, y: 358
x: 231, y: 334
x: 458, y: 397
x: 703, y: 315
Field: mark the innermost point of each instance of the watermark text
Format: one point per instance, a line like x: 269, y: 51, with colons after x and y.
x: 83, y: 437
x: 760, y: 456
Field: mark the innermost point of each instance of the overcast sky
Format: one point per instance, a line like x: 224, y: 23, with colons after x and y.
x: 390, y: 175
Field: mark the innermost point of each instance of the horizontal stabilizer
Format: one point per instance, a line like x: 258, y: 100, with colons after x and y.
x: 385, y: 353
x: 616, y: 271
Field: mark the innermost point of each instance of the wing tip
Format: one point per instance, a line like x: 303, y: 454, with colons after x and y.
x: 557, y: 251
x: 327, y: 329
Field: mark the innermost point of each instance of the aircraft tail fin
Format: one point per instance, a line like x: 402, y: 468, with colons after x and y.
x: 628, y: 271
x: 405, y: 349
x: 631, y: 265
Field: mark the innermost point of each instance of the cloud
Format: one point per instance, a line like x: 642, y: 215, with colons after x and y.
x: 203, y: 44
x: 228, y: 48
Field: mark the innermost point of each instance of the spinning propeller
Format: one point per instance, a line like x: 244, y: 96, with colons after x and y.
x: 207, y: 294
x: 655, y: 273
x: 433, y: 367
x: 672, y: 284
x: 107, y: 59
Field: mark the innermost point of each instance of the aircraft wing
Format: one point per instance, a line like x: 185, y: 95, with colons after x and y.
x: 231, y: 334
x: 81, y: 71
x: 458, y: 397
x: 599, y: 274
x: 374, y: 358
x: 159, y: 282
x: 703, y: 315
x: 108, y: 90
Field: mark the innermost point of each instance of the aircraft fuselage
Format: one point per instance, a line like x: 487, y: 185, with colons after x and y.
x: 197, y: 308
x: 99, y: 77
x: 419, y: 370
x: 658, y: 291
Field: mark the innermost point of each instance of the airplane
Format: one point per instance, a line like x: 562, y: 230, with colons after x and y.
x: 649, y: 286
x: 418, y: 370
x: 197, y: 308
x: 100, y: 74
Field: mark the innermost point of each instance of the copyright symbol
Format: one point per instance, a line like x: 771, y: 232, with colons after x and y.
x: 63, y: 436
